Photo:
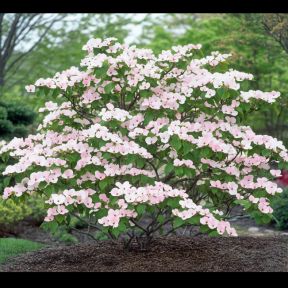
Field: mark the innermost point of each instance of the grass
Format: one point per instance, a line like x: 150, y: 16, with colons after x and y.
x: 12, y: 247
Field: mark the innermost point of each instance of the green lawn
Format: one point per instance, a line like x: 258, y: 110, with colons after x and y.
x: 12, y: 247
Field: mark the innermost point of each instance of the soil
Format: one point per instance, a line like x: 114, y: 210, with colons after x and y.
x: 199, y: 253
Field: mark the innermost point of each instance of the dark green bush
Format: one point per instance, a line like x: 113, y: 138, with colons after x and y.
x: 18, y: 113
x: 20, y: 131
x: 37, y: 206
x: 3, y: 113
x: 14, y: 119
x: 280, y: 206
x: 6, y: 127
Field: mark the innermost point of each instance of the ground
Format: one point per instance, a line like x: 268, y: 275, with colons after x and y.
x: 199, y: 253
x: 259, y: 248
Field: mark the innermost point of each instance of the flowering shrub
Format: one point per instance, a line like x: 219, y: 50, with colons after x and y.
x: 136, y: 136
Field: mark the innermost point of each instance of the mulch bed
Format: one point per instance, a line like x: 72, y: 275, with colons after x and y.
x: 28, y: 229
x: 167, y: 254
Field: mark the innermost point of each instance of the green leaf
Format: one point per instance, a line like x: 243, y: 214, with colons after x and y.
x: 214, y: 233
x: 161, y: 219
x: 101, y: 72
x: 5, y: 157
x: 187, y: 147
x: 146, y: 93
x: 206, y: 152
x: 189, y: 172
x: 245, y: 203
x: 194, y: 220
x: 140, y: 163
x: 106, y: 155
x: 175, y: 142
x: 49, y: 190
x: 60, y: 218
x: 42, y: 185
x: 173, y: 202
x: 178, y: 222
x: 140, y: 209
x: 148, y: 117
x: 103, y: 183
x: 108, y: 88
x: 116, y: 232
x: 168, y: 168
x: 121, y: 227
x: 266, y: 152
x: 179, y: 171
x: 130, y: 158
x: 204, y: 229
x: 55, y: 93
x: 101, y: 213
x: 51, y: 226
x: 41, y: 92
x: 6, y: 181
x: 101, y: 236
x: 261, y: 218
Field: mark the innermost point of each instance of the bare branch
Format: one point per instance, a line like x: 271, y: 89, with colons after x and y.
x: 1, y: 21
x: 155, y: 169
x: 32, y: 48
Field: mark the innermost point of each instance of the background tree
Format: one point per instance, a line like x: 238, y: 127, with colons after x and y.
x: 276, y: 24
x: 20, y: 34
x: 253, y: 49
x: 65, y: 42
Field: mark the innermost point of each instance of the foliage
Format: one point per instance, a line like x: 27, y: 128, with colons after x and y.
x: 11, y: 212
x: 10, y: 247
x: 62, y: 234
x: 276, y: 24
x: 14, y: 119
x: 280, y: 206
x: 37, y: 206
x: 142, y: 138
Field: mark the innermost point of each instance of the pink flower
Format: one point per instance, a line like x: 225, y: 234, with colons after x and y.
x: 30, y: 88
x: 275, y: 173
x: 62, y: 210
x: 100, y: 175
x: 68, y: 174
x: 104, y: 198
x: 221, y: 227
x: 204, y: 220
x: 58, y: 199
x: 150, y: 140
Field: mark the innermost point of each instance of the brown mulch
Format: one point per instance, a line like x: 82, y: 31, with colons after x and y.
x: 28, y: 229
x: 167, y: 254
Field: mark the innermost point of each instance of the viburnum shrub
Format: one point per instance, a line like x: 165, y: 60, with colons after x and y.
x: 139, y: 143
